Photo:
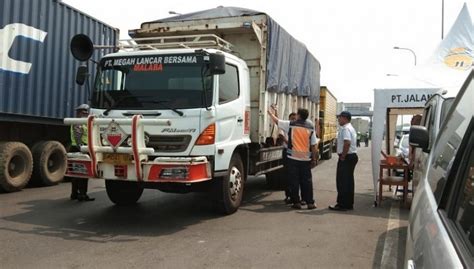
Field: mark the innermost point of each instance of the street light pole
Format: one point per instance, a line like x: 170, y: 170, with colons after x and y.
x: 410, y: 50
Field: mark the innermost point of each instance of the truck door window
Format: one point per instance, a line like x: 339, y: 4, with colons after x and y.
x: 229, y: 84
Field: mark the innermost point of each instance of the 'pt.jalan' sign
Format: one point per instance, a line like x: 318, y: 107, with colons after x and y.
x: 7, y: 37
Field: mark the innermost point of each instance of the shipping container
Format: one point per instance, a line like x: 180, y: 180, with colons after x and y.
x: 37, y: 79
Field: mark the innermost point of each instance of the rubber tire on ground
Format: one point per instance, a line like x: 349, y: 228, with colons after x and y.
x: 276, y: 180
x: 123, y: 192
x: 50, y: 163
x: 16, y: 156
x: 221, y: 189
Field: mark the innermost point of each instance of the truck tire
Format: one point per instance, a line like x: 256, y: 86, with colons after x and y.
x: 228, y: 190
x: 276, y: 180
x: 123, y: 192
x: 16, y: 166
x: 50, y: 162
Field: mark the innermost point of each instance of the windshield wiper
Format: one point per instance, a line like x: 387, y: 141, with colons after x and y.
x: 120, y: 100
x: 162, y: 102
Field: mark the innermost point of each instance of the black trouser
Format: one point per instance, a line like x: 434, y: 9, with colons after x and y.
x: 78, y: 185
x: 345, y: 180
x: 299, y: 173
x: 287, y: 175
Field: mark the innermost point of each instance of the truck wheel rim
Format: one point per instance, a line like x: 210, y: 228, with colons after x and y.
x: 55, y: 162
x: 16, y: 167
x: 235, y: 183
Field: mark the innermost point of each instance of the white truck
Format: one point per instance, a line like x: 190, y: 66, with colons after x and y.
x: 183, y: 105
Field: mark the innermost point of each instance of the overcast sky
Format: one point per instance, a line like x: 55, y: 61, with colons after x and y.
x: 353, y: 40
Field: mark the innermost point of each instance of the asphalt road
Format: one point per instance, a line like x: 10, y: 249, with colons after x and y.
x: 42, y: 228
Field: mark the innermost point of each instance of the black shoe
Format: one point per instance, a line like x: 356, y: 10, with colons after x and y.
x: 84, y: 198
x: 312, y: 206
x: 73, y: 196
x: 337, y: 208
x: 287, y: 200
x: 296, y: 206
x: 303, y: 203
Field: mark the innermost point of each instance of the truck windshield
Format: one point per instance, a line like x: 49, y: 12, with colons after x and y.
x: 170, y: 81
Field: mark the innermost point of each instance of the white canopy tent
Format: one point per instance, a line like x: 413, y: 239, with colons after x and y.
x: 445, y: 71
x: 388, y: 104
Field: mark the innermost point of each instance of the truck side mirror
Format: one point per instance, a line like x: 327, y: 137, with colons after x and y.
x: 81, y: 47
x: 81, y: 74
x: 419, y: 137
x: 217, y: 63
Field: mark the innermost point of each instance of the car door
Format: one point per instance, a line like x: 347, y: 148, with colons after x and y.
x: 439, y: 231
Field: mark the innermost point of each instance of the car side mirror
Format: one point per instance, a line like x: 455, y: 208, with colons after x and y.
x: 217, y: 63
x: 81, y: 74
x: 419, y: 137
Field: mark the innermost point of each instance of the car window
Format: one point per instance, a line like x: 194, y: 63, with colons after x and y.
x: 431, y: 124
x: 229, y: 84
x: 426, y: 116
x: 405, y: 141
x: 463, y: 215
x: 448, y: 142
x: 445, y: 108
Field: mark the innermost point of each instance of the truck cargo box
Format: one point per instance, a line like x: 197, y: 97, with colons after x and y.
x: 282, y: 70
x: 37, y: 71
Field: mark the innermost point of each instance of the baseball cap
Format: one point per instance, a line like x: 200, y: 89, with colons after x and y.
x: 345, y: 114
x: 83, y: 107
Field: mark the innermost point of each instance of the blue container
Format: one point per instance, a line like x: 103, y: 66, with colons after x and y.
x: 37, y: 70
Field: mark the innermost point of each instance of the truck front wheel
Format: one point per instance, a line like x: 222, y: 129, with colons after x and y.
x: 229, y: 189
x: 16, y: 166
x: 123, y: 192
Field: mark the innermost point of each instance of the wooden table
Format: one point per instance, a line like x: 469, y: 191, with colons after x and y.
x: 393, y: 180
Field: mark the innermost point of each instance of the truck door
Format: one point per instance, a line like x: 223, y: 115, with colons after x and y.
x: 229, y: 114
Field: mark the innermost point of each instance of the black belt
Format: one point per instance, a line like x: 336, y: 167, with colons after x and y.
x: 348, y: 154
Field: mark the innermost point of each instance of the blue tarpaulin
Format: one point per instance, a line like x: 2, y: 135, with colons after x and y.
x: 291, y: 68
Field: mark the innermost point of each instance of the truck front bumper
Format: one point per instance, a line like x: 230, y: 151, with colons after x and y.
x: 161, y: 169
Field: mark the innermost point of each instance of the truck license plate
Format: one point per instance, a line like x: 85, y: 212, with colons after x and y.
x: 117, y: 158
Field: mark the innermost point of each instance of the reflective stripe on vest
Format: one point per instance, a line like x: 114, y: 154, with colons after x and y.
x: 83, y: 137
x: 299, y: 140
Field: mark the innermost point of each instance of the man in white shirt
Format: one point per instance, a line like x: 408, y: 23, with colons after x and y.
x: 347, y: 151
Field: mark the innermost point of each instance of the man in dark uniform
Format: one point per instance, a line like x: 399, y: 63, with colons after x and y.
x: 302, y: 155
x: 78, y: 139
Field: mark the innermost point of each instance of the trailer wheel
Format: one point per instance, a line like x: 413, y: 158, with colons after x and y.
x: 50, y: 162
x: 123, y: 192
x: 228, y: 190
x: 16, y: 165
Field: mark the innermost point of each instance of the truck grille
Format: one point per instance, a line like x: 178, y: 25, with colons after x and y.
x: 165, y: 143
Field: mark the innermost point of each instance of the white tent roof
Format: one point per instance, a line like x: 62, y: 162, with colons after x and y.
x: 447, y: 70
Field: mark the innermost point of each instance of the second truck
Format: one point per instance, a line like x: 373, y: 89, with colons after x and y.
x: 327, y: 123
x: 183, y: 105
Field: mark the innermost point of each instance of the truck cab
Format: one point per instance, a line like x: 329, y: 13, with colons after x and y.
x: 193, y: 105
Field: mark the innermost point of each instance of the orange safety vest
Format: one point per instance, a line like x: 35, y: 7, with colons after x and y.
x: 299, y: 140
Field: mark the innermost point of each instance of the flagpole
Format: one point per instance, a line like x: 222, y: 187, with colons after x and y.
x: 442, y: 19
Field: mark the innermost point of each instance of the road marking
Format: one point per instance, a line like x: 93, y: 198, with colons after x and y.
x: 390, y: 247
